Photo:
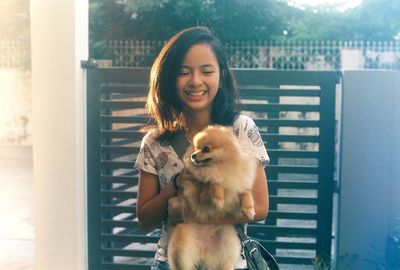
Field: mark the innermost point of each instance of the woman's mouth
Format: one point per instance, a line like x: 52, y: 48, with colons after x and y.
x: 195, y: 93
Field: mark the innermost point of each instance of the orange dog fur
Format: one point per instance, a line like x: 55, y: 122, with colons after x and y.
x: 223, y: 171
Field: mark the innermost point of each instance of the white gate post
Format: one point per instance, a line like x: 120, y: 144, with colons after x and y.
x: 59, y: 30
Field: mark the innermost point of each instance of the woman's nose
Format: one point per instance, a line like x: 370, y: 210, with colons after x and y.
x: 195, y: 79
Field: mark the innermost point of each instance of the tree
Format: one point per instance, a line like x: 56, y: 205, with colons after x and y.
x: 372, y: 20
x: 159, y: 19
x: 239, y: 20
x: 107, y: 21
x: 376, y: 20
x: 230, y: 19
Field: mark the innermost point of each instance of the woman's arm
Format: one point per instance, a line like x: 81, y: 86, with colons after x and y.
x: 151, y: 206
x: 260, y: 195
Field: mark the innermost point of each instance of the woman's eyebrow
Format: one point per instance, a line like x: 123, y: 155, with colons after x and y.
x: 202, y: 66
x: 207, y: 65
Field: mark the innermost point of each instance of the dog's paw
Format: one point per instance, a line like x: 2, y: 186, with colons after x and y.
x: 249, y: 212
x: 219, y: 202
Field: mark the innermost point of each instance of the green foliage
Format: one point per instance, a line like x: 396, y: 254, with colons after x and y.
x: 380, y: 262
x: 346, y: 261
x: 376, y: 20
x: 372, y: 20
x: 321, y: 264
x: 159, y: 19
x: 107, y: 21
x: 230, y: 19
x: 239, y: 20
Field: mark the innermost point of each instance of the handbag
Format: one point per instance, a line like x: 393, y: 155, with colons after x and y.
x: 257, y: 257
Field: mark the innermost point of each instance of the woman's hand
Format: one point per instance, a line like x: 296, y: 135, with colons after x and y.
x: 182, y: 176
x: 175, y: 205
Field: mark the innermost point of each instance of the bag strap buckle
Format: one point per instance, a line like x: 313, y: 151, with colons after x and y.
x: 252, y: 251
x: 246, y: 241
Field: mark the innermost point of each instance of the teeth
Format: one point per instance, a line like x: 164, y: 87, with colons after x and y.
x: 196, y: 94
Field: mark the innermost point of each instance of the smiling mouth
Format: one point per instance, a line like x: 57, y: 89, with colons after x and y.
x: 195, y: 93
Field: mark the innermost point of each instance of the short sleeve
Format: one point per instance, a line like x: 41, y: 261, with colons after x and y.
x: 246, y: 130
x: 145, y: 160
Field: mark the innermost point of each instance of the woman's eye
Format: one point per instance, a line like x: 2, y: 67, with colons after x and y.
x: 208, y: 72
x: 183, y: 72
x: 205, y: 149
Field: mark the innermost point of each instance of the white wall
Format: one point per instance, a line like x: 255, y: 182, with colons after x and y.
x: 59, y: 30
x: 370, y: 177
x: 16, y: 106
x: 351, y: 59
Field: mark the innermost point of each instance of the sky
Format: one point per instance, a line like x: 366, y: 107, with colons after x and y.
x: 344, y: 4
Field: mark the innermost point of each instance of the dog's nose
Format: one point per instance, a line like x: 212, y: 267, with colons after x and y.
x: 193, y: 156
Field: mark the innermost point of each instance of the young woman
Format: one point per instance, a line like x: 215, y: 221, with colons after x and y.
x: 191, y: 87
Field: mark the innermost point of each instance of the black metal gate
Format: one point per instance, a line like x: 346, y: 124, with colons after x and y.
x: 295, y: 113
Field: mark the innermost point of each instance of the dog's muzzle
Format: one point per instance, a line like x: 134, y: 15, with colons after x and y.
x: 196, y: 161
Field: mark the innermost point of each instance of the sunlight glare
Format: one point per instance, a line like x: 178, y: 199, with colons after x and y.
x: 342, y: 5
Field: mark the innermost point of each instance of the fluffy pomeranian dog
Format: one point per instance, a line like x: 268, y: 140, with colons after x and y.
x: 223, y: 171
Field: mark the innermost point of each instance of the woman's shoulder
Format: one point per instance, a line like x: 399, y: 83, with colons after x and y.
x: 152, y: 137
x: 152, y: 145
x: 242, y: 121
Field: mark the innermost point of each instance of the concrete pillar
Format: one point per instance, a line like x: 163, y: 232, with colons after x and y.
x: 369, y: 201
x: 59, y: 30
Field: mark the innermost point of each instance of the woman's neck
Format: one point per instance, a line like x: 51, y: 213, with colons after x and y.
x: 197, y: 122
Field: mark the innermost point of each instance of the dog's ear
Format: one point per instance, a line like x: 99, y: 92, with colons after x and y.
x: 225, y: 129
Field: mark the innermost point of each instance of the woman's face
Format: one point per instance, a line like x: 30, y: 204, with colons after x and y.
x: 198, y: 79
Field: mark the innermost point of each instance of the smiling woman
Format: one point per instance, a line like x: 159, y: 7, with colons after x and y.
x: 191, y: 87
x: 198, y: 79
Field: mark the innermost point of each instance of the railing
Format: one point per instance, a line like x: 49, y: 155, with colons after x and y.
x: 295, y: 113
x: 301, y: 55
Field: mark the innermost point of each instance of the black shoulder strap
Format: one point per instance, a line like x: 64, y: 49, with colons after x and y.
x: 269, y: 259
x: 240, y: 232
x: 179, y: 142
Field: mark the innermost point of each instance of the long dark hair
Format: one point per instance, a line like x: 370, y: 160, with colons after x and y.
x: 163, y: 104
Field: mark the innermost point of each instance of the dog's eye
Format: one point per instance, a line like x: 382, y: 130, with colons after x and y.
x: 205, y: 149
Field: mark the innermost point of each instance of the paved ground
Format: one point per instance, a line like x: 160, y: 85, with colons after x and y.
x: 16, y: 208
